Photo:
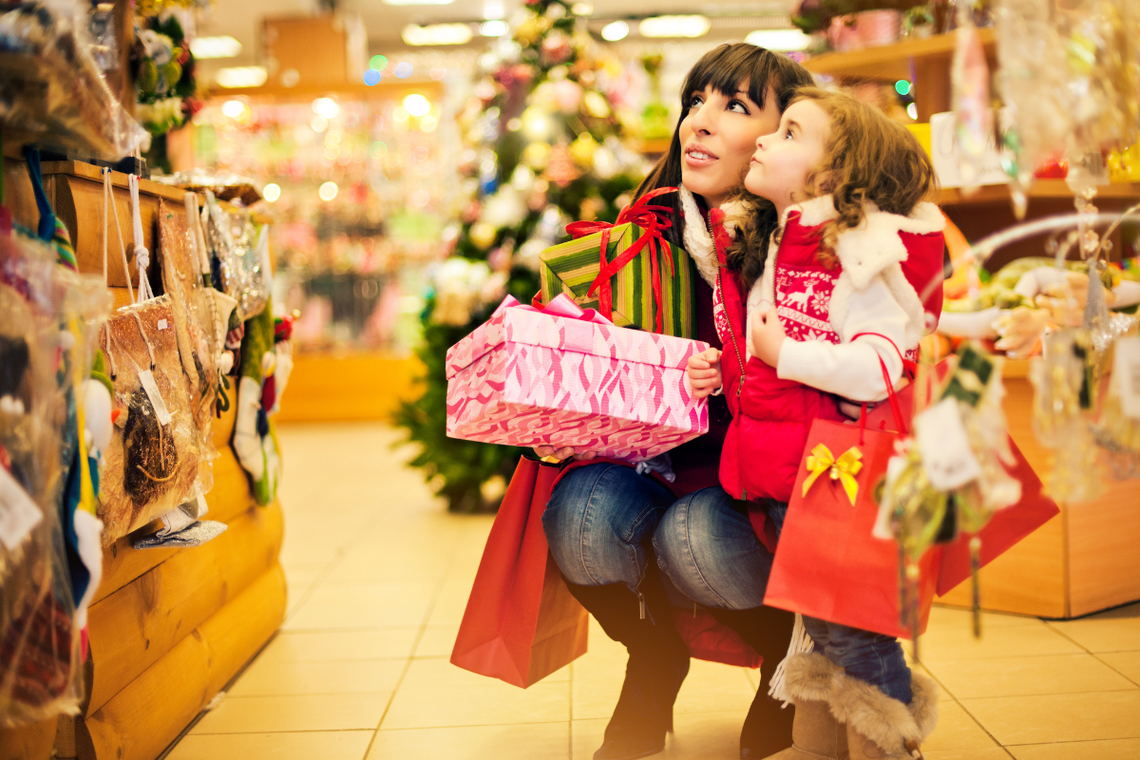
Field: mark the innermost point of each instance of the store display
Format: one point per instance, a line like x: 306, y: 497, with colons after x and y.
x: 240, y: 257
x: 527, y: 374
x: 255, y: 439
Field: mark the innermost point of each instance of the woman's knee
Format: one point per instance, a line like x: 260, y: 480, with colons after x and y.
x: 710, y: 552
x: 596, y: 521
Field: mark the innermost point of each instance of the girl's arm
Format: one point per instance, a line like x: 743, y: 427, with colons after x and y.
x: 851, y: 368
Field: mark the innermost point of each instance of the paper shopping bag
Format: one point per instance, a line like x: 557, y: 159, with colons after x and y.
x: 828, y: 565
x: 521, y: 623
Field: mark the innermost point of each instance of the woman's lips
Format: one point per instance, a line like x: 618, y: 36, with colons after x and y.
x: 698, y: 157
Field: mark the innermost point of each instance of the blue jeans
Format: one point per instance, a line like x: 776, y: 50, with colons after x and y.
x: 706, y: 546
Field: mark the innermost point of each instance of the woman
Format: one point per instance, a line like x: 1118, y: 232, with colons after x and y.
x: 602, y: 515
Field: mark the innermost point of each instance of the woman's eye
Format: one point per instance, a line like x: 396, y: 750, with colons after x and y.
x: 739, y: 107
x: 696, y: 101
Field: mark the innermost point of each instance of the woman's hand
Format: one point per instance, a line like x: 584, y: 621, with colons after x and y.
x: 704, y: 372
x: 766, y: 335
x: 566, y: 452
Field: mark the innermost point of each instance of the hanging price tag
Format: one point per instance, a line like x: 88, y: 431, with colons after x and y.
x: 151, y: 388
x: 18, y: 513
x: 1126, y: 369
x: 946, y: 453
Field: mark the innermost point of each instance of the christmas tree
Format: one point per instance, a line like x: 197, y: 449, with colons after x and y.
x: 543, y: 150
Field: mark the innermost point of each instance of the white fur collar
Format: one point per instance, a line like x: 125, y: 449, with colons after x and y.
x: 875, y: 244
x: 698, y: 241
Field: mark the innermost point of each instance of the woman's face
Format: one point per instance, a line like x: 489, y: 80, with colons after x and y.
x: 718, y: 136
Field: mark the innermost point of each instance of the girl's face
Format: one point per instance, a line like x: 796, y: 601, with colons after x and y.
x: 783, y: 159
x: 718, y: 135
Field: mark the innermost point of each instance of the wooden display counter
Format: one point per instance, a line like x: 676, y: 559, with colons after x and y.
x: 355, y: 386
x: 1083, y: 560
x: 168, y: 628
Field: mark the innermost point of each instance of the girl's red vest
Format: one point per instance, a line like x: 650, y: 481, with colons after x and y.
x: 771, y: 416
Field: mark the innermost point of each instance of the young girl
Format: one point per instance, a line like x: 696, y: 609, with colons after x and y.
x: 837, y: 301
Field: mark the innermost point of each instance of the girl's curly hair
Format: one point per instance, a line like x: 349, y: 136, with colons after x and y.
x: 868, y: 158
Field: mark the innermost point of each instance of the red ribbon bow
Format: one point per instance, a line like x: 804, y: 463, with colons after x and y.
x: 645, y: 216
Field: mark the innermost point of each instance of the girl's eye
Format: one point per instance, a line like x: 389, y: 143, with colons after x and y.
x: 787, y: 134
x: 739, y: 107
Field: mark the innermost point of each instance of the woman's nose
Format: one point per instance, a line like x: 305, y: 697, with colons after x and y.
x: 703, y: 120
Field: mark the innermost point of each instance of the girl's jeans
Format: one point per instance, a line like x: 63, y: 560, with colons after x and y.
x: 706, y: 546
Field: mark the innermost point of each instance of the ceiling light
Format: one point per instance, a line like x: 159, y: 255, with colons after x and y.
x: 417, y: 2
x: 615, y: 31
x: 437, y: 34
x: 582, y: 9
x: 493, y: 9
x: 326, y: 107
x: 241, y: 76
x: 328, y: 191
x: 271, y: 192
x: 215, y: 47
x: 493, y: 28
x: 674, y: 26
x: 779, y: 39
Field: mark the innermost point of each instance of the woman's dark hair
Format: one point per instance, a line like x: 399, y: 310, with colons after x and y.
x: 725, y: 68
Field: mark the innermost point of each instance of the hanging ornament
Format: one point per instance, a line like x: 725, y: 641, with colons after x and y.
x: 483, y: 235
x: 583, y: 150
x: 970, y: 78
x: 556, y: 47
x: 537, y: 155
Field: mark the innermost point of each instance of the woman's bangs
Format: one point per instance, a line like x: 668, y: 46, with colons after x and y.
x: 725, y: 69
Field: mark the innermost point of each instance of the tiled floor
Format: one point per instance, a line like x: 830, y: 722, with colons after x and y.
x: 378, y: 580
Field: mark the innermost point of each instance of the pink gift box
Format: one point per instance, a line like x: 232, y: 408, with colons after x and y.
x: 569, y: 377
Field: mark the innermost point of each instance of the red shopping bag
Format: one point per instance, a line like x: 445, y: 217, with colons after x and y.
x: 828, y: 565
x: 1006, y: 528
x: 521, y: 623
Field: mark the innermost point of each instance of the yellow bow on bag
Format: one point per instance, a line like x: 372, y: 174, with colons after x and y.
x: 844, y: 469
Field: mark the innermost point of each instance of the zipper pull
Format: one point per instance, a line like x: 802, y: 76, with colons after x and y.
x: 641, y: 603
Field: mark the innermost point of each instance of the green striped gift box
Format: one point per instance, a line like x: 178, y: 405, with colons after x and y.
x: 571, y: 267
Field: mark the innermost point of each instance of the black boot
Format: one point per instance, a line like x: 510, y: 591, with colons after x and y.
x: 658, y: 663
x: 768, y: 727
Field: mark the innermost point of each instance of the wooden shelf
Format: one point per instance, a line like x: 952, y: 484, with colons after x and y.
x: 1042, y: 188
x: 891, y: 62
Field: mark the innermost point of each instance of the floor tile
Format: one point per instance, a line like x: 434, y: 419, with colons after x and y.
x: 1015, y: 676
x: 957, y: 731
x: 435, y: 693
x: 1125, y: 663
x: 1113, y: 631
x: 334, y: 646
x: 326, y: 745
x: 253, y: 715
x: 958, y: 617
x: 365, y: 605
x: 941, y: 644
x: 538, y: 741
x: 1110, y: 749
x: 1059, y: 717
x: 988, y: 753
x: 269, y: 678
x: 437, y: 641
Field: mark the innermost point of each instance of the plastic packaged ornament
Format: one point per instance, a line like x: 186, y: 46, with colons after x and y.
x: 1064, y: 392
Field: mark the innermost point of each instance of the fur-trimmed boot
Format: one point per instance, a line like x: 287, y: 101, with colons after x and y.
x: 768, y: 726
x: 816, y: 734
x: 880, y: 727
x: 658, y: 663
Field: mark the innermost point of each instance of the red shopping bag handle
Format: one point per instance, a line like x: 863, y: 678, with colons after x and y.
x: 896, y: 408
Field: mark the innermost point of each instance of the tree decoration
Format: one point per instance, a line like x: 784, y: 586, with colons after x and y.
x: 538, y: 128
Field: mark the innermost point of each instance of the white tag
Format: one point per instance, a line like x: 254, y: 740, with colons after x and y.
x: 18, y: 513
x: 945, y: 449
x: 203, y: 510
x: 1126, y: 371
x: 162, y: 324
x: 151, y: 388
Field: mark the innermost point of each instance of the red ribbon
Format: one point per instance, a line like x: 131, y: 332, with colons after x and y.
x: 645, y: 216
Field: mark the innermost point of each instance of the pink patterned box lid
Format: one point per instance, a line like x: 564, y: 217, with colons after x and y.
x: 563, y: 325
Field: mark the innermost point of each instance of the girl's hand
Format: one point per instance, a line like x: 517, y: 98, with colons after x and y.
x: 704, y: 372
x: 766, y: 335
x: 566, y: 452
